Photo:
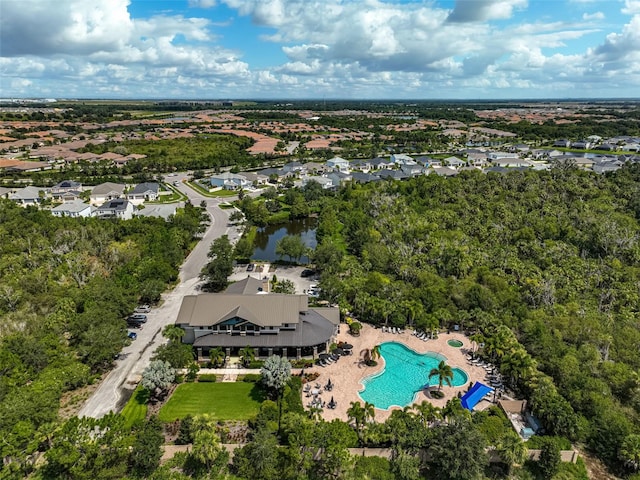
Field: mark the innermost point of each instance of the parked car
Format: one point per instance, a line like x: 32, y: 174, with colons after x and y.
x: 137, y: 317
x: 132, y: 335
x: 250, y: 267
x: 143, y: 309
x: 307, y: 273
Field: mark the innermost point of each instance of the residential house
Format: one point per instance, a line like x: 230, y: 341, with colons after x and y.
x: 520, y: 148
x: 499, y: 155
x: 271, y: 324
x: 66, y: 191
x: 606, y: 147
x: 76, y: 208
x: 364, y: 177
x: 630, y: 147
x: 161, y: 210
x: 477, y: 159
x: 255, y: 178
x: 424, y: 161
x: 511, y: 162
x: 65, y: 186
x: 582, y: 145
x: 563, y: 143
x: 116, y: 208
x: 454, y: 162
x: 606, y: 167
x: 144, y: 192
x: 338, y: 163
x: 338, y: 178
x: 361, y: 165
x: 567, y: 160
x: 402, y: 159
x: 4, y: 192
x: 105, y: 192
x: 230, y: 181
x: 69, y: 196
x: 443, y: 171
x: 325, y: 182
x: 28, y: 196
x: 315, y: 168
x: 380, y: 163
x: 412, y: 170
x: 294, y: 167
x: 392, y: 174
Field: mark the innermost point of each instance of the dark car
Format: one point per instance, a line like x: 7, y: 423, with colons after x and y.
x: 132, y: 335
x: 307, y: 273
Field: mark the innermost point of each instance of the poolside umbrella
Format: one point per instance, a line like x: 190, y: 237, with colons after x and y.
x: 329, y: 383
x: 347, y: 346
x: 332, y: 400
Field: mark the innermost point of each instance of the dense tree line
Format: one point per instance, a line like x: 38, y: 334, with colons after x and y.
x: 542, y: 267
x: 66, y: 287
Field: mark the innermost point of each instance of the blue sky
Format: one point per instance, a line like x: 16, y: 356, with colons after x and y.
x: 296, y: 49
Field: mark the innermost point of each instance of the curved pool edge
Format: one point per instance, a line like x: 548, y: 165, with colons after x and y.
x: 436, y: 355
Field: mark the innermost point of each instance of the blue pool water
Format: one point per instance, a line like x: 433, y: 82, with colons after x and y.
x: 405, y: 374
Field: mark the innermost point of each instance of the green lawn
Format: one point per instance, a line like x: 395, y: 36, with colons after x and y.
x: 223, y: 401
x: 136, y: 407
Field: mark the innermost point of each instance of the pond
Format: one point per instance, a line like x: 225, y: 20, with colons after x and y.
x: 267, y: 237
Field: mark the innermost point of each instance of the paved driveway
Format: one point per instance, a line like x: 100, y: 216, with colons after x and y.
x: 136, y: 357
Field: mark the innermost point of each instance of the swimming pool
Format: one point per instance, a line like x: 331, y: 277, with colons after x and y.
x: 405, y: 373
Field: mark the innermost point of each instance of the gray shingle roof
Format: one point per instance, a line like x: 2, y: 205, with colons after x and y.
x: 314, y: 329
x: 268, y: 310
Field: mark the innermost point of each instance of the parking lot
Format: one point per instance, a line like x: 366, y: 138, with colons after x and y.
x: 262, y: 270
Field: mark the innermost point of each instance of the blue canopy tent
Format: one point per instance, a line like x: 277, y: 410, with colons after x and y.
x: 473, y: 396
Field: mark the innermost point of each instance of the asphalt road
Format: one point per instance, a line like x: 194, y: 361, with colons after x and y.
x: 114, y: 388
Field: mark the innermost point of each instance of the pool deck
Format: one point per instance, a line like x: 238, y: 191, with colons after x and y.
x: 347, y: 373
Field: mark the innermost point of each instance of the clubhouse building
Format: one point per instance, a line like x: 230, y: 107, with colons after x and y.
x: 246, y: 315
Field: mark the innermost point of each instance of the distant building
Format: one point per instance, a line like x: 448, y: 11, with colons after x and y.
x: 338, y: 164
x: 117, y: 208
x: 229, y: 181
x: 27, y: 196
x: 76, y: 208
x: 144, y: 192
x: 105, y: 192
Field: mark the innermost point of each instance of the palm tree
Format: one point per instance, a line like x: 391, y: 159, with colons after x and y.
x: 517, y: 364
x: 476, y: 340
x: 356, y: 413
x: 370, y: 355
x: 427, y: 413
x: 173, y: 333
x: 216, y: 356
x: 444, y: 374
x: 247, y: 355
x: 512, y: 450
x: 369, y: 412
x: 453, y: 411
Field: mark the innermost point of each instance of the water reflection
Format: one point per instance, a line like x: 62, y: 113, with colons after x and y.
x: 267, y: 237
